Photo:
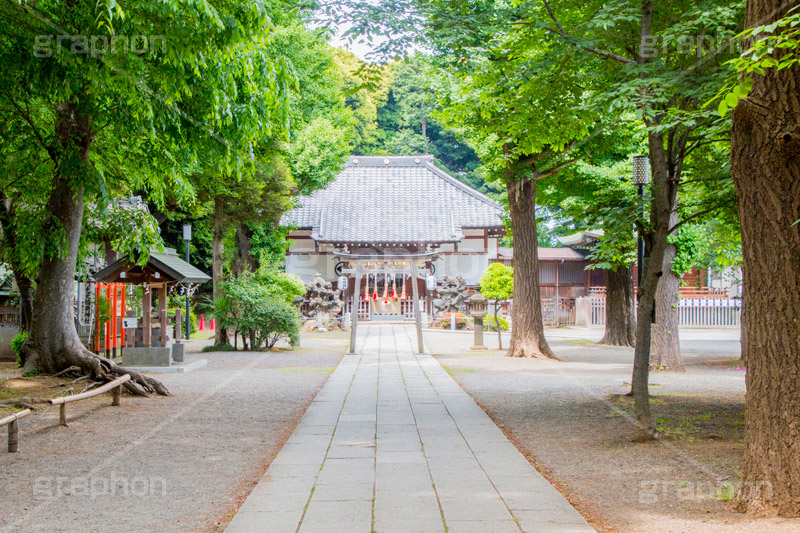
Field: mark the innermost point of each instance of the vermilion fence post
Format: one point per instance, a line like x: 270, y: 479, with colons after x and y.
x: 115, y: 287
x: 108, y: 329
x: 122, y: 314
x: 97, y: 292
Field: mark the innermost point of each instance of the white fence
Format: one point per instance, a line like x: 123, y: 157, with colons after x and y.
x: 365, y: 309
x: 709, y: 311
x: 691, y: 311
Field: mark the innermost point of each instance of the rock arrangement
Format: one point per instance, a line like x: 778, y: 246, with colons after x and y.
x: 453, y: 295
x: 324, y: 302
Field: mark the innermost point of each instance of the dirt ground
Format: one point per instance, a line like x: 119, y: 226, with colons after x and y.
x: 574, y: 422
x: 179, y: 463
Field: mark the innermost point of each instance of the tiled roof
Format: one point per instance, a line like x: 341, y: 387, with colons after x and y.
x: 557, y: 254
x: 168, y: 263
x: 393, y: 199
x: 583, y: 239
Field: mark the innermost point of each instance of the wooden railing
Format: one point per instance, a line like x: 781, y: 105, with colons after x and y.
x: 13, y: 429
x: 566, y: 311
x: 114, y: 386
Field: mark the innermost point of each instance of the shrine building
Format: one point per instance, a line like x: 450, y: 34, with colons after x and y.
x: 394, y: 206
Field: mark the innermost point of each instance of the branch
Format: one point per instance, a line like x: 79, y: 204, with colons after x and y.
x: 693, y: 216
x: 532, y: 160
x: 573, y: 40
x: 699, y: 180
x: 697, y: 144
x: 556, y: 168
x: 26, y: 116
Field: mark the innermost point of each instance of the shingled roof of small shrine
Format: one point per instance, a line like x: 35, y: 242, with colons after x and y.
x: 393, y: 199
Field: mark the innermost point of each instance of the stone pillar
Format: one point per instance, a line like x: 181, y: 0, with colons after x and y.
x: 583, y: 312
x: 478, y: 335
x: 178, y: 325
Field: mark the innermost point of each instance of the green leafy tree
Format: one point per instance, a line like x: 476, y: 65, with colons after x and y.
x: 600, y: 197
x: 497, y: 283
x: 197, y: 100
x: 648, y: 68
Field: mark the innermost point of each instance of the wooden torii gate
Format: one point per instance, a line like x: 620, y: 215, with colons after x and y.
x: 385, y: 264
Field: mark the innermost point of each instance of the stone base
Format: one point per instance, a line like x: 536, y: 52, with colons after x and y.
x: 479, y: 348
x: 177, y: 352
x: 139, y: 356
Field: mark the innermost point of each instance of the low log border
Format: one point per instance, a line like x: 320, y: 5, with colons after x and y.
x: 114, y: 386
x: 13, y: 429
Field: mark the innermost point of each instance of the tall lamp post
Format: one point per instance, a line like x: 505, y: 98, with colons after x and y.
x: 641, y: 178
x: 187, y: 237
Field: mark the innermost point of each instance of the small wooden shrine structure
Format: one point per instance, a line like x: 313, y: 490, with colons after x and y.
x: 360, y: 265
x: 160, y: 273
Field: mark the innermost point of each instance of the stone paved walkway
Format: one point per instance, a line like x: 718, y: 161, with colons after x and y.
x: 393, y: 444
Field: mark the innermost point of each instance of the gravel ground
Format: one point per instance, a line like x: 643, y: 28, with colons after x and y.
x: 573, y: 421
x: 179, y: 463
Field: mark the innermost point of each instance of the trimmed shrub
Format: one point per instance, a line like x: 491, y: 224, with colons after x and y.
x: 490, y: 325
x: 253, y: 310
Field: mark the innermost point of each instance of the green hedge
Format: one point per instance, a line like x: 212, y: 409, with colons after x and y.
x: 492, y: 326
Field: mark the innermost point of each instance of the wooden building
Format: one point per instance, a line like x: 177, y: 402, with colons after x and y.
x: 394, y: 206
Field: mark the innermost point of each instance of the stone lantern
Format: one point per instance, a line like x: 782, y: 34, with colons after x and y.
x: 478, y: 312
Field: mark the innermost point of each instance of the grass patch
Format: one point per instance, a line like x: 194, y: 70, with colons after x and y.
x: 222, y: 347
x: 456, y: 371
x: 583, y: 342
x: 724, y: 492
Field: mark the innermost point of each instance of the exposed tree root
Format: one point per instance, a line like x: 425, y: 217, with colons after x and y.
x: 107, y: 370
x: 67, y: 371
x: 531, y: 351
x: 28, y: 402
x: 618, y: 338
x: 80, y: 360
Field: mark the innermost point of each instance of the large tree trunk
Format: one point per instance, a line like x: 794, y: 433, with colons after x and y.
x: 664, y: 197
x: 244, y: 261
x: 53, y: 344
x: 527, y: 331
x: 665, y: 348
x: 220, y: 334
x: 743, y: 331
x: 620, y: 308
x: 27, y: 291
x: 765, y: 160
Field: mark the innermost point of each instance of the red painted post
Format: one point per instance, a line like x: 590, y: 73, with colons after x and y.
x: 108, y: 329
x: 123, y: 314
x: 114, y: 319
x: 97, y: 289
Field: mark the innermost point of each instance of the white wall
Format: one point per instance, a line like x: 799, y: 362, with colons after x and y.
x: 306, y: 266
